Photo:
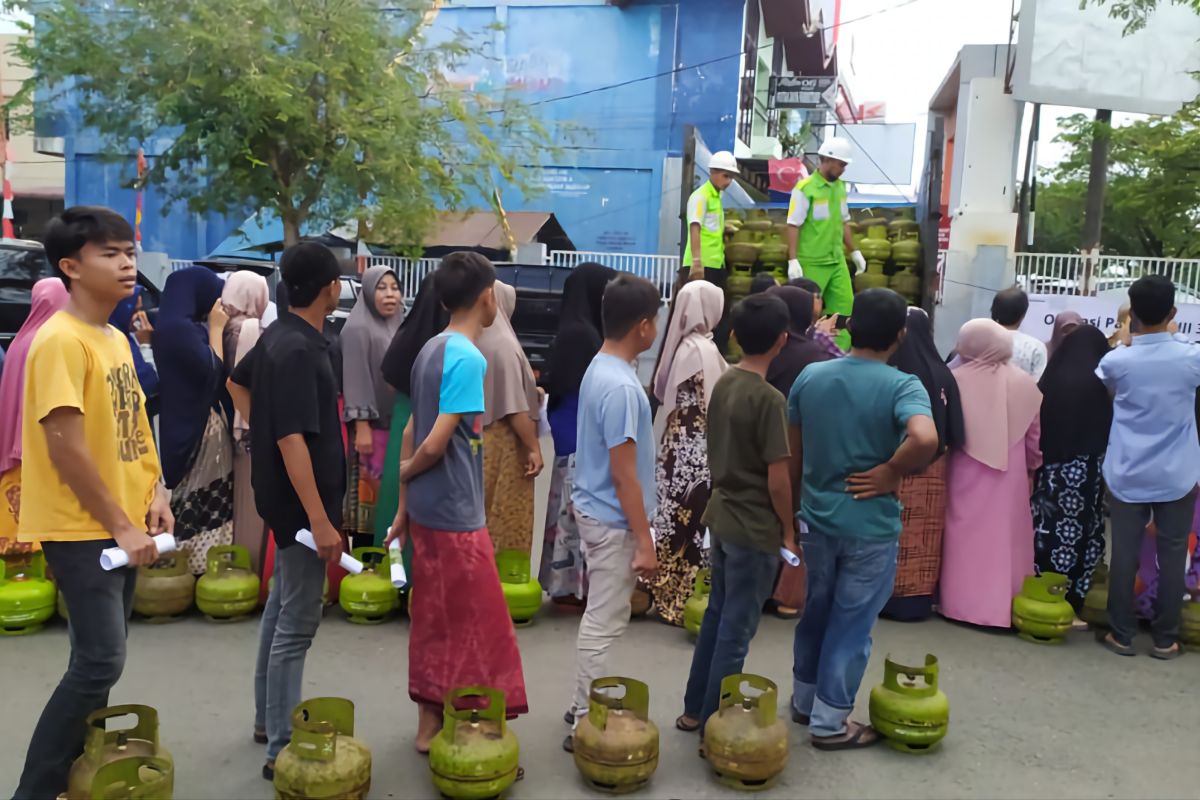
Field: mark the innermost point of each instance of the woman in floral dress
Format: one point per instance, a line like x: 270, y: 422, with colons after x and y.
x: 690, y: 367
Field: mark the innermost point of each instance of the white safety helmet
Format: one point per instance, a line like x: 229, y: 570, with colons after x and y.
x: 723, y: 160
x: 838, y: 149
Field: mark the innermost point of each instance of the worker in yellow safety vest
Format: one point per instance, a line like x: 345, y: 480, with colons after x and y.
x: 817, y: 234
x: 705, y: 251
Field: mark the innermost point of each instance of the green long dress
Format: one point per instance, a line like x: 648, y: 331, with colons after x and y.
x: 389, y: 484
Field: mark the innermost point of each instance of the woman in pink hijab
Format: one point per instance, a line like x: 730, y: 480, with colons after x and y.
x: 49, y: 295
x: 988, y: 546
x: 245, y: 299
x: 690, y: 367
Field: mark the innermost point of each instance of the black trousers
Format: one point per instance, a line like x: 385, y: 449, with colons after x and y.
x: 99, y: 604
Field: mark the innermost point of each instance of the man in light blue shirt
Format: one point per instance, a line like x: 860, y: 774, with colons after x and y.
x: 614, y: 493
x: 1153, y: 463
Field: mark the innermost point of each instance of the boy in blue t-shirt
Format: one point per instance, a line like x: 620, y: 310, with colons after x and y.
x: 867, y: 425
x: 614, y: 493
x: 461, y: 633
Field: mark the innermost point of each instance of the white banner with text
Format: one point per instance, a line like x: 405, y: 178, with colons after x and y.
x: 1098, y: 311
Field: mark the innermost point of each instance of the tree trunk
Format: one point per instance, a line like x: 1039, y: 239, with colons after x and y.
x: 291, y: 229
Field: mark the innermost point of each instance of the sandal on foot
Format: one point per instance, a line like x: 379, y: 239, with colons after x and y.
x: 520, y: 774
x: 268, y: 771
x: 686, y: 724
x: 569, y: 743
x: 1112, y: 645
x: 260, y: 735
x: 863, y: 736
x: 785, y: 612
x: 1167, y: 653
x: 569, y: 717
x: 798, y: 718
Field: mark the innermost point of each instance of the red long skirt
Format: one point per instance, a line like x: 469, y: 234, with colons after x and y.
x: 461, y: 633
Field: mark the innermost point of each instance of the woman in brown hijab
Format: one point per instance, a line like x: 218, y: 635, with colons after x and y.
x: 512, y: 455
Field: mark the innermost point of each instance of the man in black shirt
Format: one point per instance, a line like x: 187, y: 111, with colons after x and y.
x: 287, y: 389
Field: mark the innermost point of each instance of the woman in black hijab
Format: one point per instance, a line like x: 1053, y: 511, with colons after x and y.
x: 580, y: 335
x: 923, y: 496
x: 1068, y: 494
x: 426, y: 320
x: 800, y: 350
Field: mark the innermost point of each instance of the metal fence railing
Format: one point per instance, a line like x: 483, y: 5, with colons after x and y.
x: 1077, y: 274
x: 411, y: 271
x: 179, y: 263
x: 659, y: 270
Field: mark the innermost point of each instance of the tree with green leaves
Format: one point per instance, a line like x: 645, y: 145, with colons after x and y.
x: 1135, y: 12
x: 1152, y: 201
x: 320, y: 111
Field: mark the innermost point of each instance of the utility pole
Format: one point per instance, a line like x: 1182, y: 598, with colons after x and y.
x: 1093, y: 219
x: 1025, y: 219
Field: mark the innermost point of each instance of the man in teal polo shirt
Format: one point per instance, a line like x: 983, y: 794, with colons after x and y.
x: 817, y: 234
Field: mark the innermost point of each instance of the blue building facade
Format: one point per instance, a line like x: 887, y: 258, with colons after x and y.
x: 624, y: 76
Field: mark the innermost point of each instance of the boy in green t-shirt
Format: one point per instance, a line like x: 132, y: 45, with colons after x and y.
x: 750, y: 513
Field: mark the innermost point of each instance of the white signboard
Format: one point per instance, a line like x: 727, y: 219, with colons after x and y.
x: 1098, y: 311
x: 1074, y: 56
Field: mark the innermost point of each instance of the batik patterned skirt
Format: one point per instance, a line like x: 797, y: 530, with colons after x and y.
x: 919, y: 562
x: 684, y: 487
x: 563, y: 572
x: 508, y: 494
x: 1068, y: 522
x: 203, y: 501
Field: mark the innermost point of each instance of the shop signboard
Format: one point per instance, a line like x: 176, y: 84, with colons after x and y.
x: 801, y: 91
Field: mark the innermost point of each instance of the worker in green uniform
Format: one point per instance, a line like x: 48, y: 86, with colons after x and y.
x: 705, y: 250
x: 817, y: 234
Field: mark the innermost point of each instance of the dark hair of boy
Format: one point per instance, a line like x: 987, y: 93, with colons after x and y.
x: 461, y: 278
x: 761, y: 282
x: 67, y: 233
x: 307, y: 268
x: 878, y: 317
x: 1010, y: 306
x: 628, y: 300
x: 807, y: 284
x: 758, y: 321
x: 1151, y: 299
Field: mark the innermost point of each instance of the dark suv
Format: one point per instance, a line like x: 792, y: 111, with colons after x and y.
x: 22, y: 264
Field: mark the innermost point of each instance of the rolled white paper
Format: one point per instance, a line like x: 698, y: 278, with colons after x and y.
x: 789, y: 556
x: 399, y: 576
x: 114, y: 557
x: 707, y: 543
x: 346, y: 561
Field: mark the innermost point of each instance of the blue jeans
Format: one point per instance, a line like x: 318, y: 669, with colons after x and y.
x: 742, y: 580
x: 99, y: 604
x: 289, y: 623
x: 849, y: 581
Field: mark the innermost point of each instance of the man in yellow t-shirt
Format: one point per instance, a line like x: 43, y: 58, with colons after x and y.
x: 89, y: 476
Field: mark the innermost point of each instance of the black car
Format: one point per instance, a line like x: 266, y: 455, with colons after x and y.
x: 539, y: 305
x: 22, y: 264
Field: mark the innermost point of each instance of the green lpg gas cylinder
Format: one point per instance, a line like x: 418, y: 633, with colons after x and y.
x: 616, y: 744
x: 228, y: 590
x: 1095, y: 602
x: 697, y: 604
x: 1041, y: 612
x: 134, y: 778
x: 27, y: 596
x: 323, y: 760
x: 368, y: 598
x: 908, y: 709
x: 102, y: 747
x: 475, y: 755
x: 1189, y: 627
x: 165, y: 589
x: 522, y: 592
x: 745, y: 742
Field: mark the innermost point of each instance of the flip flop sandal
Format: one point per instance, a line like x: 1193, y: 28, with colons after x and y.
x: 1113, y: 646
x: 1167, y: 654
x: 783, y: 612
x: 865, y: 736
x: 520, y: 774
x: 683, y: 723
x: 260, y: 735
x: 798, y: 718
x: 569, y: 717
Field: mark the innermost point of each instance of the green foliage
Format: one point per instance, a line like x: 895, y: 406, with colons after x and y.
x: 1152, y: 200
x: 1135, y: 12
x: 320, y: 110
